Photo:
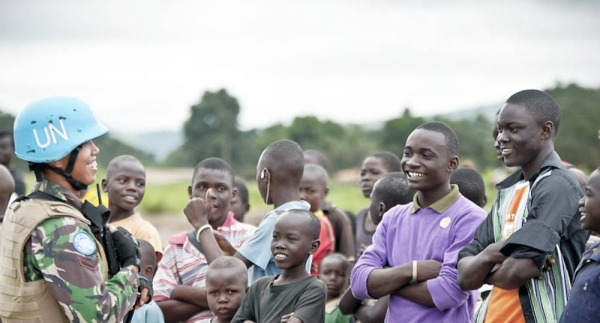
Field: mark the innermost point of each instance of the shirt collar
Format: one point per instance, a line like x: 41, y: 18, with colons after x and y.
x: 552, y: 161
x: 294, y: 205
x: 441, y: 205
x: 229, y: 221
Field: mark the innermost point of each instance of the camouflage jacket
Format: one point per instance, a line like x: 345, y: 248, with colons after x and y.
x: 63, y: 252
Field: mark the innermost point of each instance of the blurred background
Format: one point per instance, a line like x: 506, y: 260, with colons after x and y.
x: 177, y: 82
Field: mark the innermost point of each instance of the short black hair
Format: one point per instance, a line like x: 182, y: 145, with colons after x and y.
x: 541, y: 104
x: 317, y: 156
x: 242, y: 190
x: 393, y: 189
x: 449, y: 134
x: 470, y: 184
x: 285, y: 160
x: 226, y: 262
x: 115, y: 162
x: 213, y: 163
x: 314, y: 225
x: 340, y: 257
x: 318, y: 170
x: 390, y: 161
x: 147, y: 254
x: 7, y: 133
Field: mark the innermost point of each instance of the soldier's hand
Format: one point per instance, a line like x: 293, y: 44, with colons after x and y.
x: 197, y: 210
x: 127, y: 248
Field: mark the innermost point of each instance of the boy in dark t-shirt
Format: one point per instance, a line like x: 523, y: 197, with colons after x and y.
x: 293, y: 296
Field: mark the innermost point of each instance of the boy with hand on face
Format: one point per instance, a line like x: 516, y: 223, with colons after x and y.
x: 414, y: 250
x: 278, y: 176
x: 313, y: 189
x: 293, y: 296
x: 125, y: 184
x: 180, y: 282
x: 149, y: 313
x: 535, y: 217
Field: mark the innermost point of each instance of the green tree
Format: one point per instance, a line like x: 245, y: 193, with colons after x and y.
x: 395, y: 131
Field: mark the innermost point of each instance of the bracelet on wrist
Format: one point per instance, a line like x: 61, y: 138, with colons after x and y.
x: 202, y: 228
x: 414, y: 272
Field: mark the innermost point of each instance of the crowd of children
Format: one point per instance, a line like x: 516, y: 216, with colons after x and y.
x: 423, y: 250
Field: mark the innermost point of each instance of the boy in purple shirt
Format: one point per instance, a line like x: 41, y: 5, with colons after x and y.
x: 415, y: 248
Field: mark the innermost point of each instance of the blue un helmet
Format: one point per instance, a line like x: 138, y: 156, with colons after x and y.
x: 52, y: 128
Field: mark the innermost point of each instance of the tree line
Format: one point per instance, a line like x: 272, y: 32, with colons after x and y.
x: 213, y: 130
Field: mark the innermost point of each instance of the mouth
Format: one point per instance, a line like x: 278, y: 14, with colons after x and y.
x: 93, y: 165
x: 279, y: 256
x: 129, y: 198
x: 506, y: 151
x: 223, y: 310
x: 583, y: 214
x: 414, y: 175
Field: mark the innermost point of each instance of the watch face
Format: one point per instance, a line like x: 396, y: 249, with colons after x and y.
x: 84, y: 243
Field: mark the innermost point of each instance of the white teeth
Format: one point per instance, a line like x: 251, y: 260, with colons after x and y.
x: 506, y: 151
x: 93, y: 165
x: 129, y: 198
x: 279, y: 256
x: 415, y: 174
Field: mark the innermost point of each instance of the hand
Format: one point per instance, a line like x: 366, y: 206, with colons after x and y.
x: 286, y: 318
x: 127, y: 247
x: 224, y: 244
x: 362, y: 249
x: 146, y: 291
x: 428, y: 269
x: 197, y: 210
x: 493, y: 254
x: 547, y: 266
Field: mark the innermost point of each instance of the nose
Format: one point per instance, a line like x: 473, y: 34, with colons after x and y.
x: 222, y: 298
x: 302, y: 195
x: 582, y: 201
x: 94, y: 149
x: 501, y: 137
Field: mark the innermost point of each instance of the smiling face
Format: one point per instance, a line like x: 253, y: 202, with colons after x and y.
x: 85, y: 167
x: 125, y: 185
x: 519, y: 137
x: 225, y: 290
x: 372, y: 169
x: 292, y: 244
x: 589, y: 205
x: 426, y: 162
x: 333, y: 271
x: 221, y: 183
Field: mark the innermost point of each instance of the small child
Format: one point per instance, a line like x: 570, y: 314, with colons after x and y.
x: 226, y: 283
x: 149, y: 313
x: 294, y: 296
x: 391, y: 190
x: 313, y: 189
x: 239, y: 203
x: 125, y: 184
x: 585, y: 294
x: 373, y: 168
x: 334, y: 271
x: 470, y: 184
x: 7, y: 190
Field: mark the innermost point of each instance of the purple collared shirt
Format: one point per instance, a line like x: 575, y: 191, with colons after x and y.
x: 402, y: 237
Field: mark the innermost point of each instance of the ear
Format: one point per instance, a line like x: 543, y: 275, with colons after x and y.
x: 382, y: 209
x: 453, y: 164
x: 247, y: 206
x: 547, y: 130
x: 484, y: 201
x: 326, y: 191
x: 314, y: 246
x: 104, y: 186
x: 149, y: 271
x: 190, y: 192
x: 234, y: 192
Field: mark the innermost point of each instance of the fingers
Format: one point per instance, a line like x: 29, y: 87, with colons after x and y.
x: 143, y: 298
x: 207, y: 198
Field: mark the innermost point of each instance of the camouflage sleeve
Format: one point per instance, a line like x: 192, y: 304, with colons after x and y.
x: 65, y: 253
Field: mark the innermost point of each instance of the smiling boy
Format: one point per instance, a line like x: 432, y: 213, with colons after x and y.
x: 414, y: 250
x: 535, y: 216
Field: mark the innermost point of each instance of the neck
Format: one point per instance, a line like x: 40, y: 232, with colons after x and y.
x: 60, y: 180
x: 216, y: 224
x: 118, y: 214
x: 220, y: 320
x: 536, y: 163
x: 331, y: 297
x: 293, y: 274
x: 426, y: 198
x: 280, y: 195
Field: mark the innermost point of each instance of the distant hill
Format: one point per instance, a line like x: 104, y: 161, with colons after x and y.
x: 488, y: 111
x: 157, y: 143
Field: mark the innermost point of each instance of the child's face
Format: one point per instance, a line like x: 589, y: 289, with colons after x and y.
x: 374, y: 207
x: 333, y: 272
x: 496, y: 143
x: 6, y: 150
x: 425, y: 160
x: 238, y: 208
x: 313, y: 191
x: 126, y: 185
x: 589, y: 205
x: 220, y: 182
x: 225, y: 291
x: 291, y: 244
x: 372, y: 169
x: 519, y: 136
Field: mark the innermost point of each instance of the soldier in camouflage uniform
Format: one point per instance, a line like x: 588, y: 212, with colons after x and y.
x: 53, y: 264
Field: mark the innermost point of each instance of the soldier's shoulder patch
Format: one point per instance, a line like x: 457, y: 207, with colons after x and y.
x: 84, y: 243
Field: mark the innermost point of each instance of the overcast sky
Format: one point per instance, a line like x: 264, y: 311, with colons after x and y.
x: 349, y: 61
